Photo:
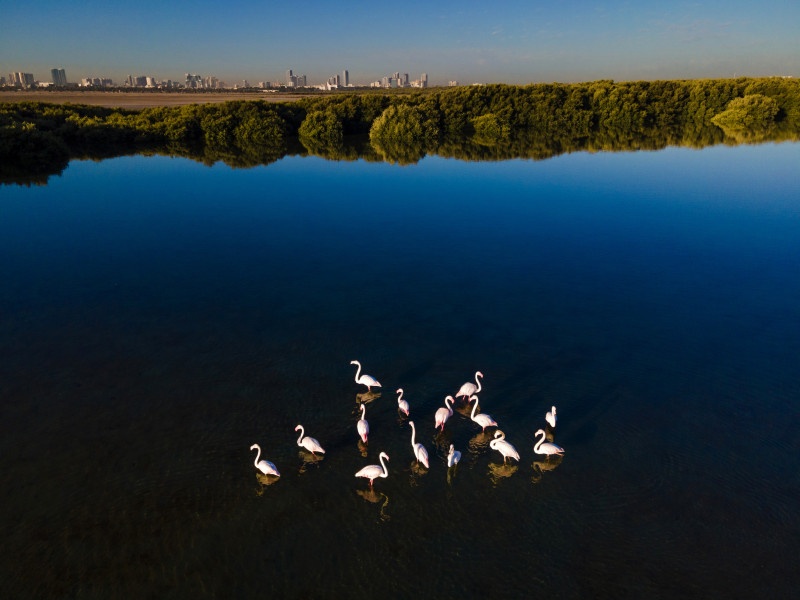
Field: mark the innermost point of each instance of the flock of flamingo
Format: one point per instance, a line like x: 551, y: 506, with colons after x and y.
x: 468, y: 391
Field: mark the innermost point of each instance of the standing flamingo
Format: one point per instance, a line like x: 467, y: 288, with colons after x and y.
x: 372, y: 472
x: 362, y: 426
x: 308, y: 443
x: 453, y: 456
x: 482, y: 419
x: 550, y: 417
x: 500, y: 444
x: 266, y: 467
x: 419, y: 450
x: 470, y: 388
x: 367, y: 380
x: 542, y: 447
x: 402, y: 405
x: 444, y: 413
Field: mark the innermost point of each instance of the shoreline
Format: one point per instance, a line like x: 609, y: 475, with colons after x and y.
x: 140, y: 100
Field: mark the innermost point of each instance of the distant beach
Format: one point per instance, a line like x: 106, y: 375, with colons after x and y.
x: 139, y: 100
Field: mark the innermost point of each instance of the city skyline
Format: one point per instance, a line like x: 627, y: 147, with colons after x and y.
x: 58, y: 77
x: 516, y: 42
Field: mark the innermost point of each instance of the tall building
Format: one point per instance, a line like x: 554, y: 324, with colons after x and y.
x: 293, y: 80
x: 345, y: 78
x: 423, y: 80
x: 194, y: 81
x: 59, y: 77
x: 22, y: 79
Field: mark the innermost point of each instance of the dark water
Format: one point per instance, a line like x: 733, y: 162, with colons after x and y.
x: 158, y: 317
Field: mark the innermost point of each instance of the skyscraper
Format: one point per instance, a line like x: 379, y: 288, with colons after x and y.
x: 345, y: 78
x: 25, y: 80
x: 59, y: 76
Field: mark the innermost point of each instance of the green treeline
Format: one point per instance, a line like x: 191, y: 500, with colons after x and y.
x: 490, y: 122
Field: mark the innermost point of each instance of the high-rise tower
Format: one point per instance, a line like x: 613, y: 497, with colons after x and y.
x: 59, y: 76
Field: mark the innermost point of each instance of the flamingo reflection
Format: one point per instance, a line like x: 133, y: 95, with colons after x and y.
x: 498, y: 472
x: 479, y: 443
x: 309, y: 459
x: 265, y: 480
x: 367, y: 397
x: 541, y: 466
x: 373, y: 496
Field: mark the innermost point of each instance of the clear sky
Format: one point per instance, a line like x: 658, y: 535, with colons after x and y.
x: 509, y: 41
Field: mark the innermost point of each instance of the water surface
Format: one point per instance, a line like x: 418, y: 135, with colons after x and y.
x: 157, y: 317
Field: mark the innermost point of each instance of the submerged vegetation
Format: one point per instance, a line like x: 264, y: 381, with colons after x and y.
x: 491, y: 122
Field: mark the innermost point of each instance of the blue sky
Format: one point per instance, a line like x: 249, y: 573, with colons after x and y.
x: 504, y: 41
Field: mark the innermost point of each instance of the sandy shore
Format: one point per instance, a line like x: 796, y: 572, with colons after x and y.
x: 137, y: 100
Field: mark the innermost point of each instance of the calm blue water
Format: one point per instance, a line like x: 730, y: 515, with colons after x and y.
x: 158, y: 317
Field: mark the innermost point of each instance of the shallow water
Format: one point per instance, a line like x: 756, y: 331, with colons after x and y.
x: 158, y: 317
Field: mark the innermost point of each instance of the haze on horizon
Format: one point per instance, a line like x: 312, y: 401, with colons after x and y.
x: 516, y: 41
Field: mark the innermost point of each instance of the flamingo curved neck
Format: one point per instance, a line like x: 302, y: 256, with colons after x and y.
x: 302, y: 433
x: 383, y: 465
x: 399, y: 395
x: 413, y: 433
x: 478, y: 381
x: 539, y: 443
x: 358, y: 370
x: 258, y: 455
x: 363, y: 410
x: 447, y: 402
x: 474, y: 408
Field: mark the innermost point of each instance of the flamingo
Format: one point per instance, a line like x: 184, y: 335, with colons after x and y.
x: 419, y: 450
x: 500, y: 444
x: 372, y: 472
x: 367, y: 380
x: 482, y: 419
x: 550, y: 417
x: 470, y: 388
x: 445, y: 412
x: 308, y: 443
x: 266, y: 467
x: 402, y: 405
x: 453, y: 456
x: 362, y: 426
x: 542, y: 447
